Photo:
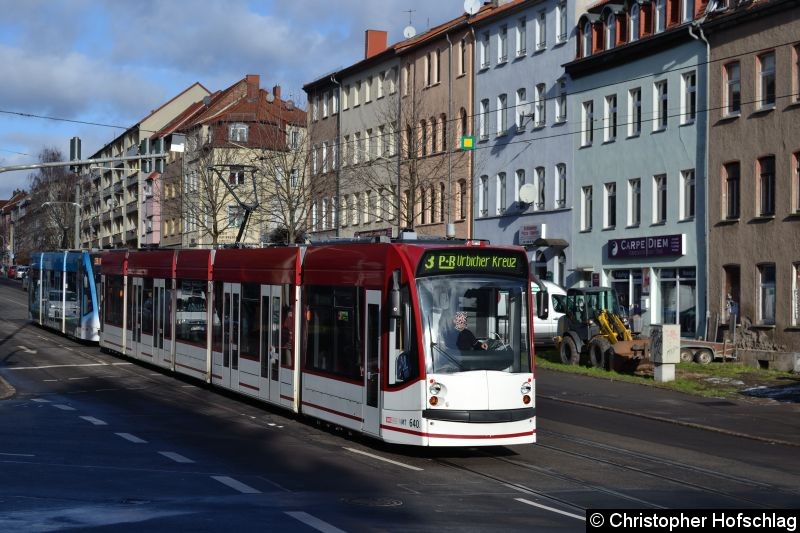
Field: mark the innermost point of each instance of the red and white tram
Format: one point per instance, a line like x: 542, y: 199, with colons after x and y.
x: 357, y: 334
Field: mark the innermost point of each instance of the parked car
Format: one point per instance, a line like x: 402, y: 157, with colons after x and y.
x: 12, y: 271
x: 21, y: 272
x: 545, y: 329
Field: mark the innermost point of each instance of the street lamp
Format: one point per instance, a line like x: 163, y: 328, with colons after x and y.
x: 78, y: 209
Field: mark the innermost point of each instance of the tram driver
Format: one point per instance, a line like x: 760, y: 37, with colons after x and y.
x: 465, y: 339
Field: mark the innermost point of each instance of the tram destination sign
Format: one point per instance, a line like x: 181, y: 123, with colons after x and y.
x: 656, y: 246
x: 471, y: 261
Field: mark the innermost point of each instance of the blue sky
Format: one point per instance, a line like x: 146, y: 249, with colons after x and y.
x: 111, y: 62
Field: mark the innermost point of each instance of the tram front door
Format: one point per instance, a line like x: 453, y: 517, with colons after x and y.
x: 372, y: 350
x: 230, y: 335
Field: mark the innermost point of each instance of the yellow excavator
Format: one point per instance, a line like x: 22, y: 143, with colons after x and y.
x: 593, y: 328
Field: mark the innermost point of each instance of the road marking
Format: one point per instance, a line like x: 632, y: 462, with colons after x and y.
x: 26, y: 349
x: 95, y: 421
x: 63, y: 407
x: 237, y: 485
x: 553, y: 509
x: 178, y: 458
x: 131, y: 438
x: 41, y: 400
x: 14, y: 302
x: 314, y: 522
x: 384, y: 459
x: 57, y: 366
x: 76, y: 379
x: 17, y: 455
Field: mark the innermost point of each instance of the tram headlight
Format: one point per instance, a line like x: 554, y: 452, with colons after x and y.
x: 435, y: 389
x: 526, y: 388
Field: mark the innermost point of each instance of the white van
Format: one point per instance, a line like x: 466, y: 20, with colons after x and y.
x: 544, y: 329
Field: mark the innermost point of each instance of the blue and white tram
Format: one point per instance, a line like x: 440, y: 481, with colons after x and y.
x: 62, y: 293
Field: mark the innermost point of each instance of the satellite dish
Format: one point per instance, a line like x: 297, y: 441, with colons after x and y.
x: 527, y: 193
x: 409, y: 32
x: 472, y: 6
x: 289, y: 105
x: 270, y: 97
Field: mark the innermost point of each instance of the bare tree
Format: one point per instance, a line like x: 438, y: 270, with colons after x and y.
x: 50, y: 218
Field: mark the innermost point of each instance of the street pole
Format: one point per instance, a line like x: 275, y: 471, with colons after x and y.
x: 77, y: 216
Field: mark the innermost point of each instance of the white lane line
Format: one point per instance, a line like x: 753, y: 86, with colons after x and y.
x: 131, y: 438
x: 17, y: 455
x: 14, y: 302
x: 63, y: 407
x: 236, y: 485
x: 95, y: 421
x: 178, y: 458
x: 56, y: 366
x: 384, y: 459
x: 41, y: 400
x: 76, y: 379
x: 552, y: 509
x: 49, y: 380
x: 314, y: 522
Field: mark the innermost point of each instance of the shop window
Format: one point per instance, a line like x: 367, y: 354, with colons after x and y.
x: 678, y: 288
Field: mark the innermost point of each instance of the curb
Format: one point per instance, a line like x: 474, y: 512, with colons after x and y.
x: 673, y: 421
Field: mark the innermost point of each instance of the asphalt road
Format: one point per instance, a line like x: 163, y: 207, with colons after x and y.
x: 93, y: 441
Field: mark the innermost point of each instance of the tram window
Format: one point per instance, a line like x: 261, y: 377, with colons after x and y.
x: 113, y: 301
x: 404, y: 358
x: 190, y: 311
x: 287, y: 328
x: 86, y: 295
x: 147, y: 307
x: 167, y: 318
x: 332, y: 331
x: 219, y: 300
x: 248, y: 345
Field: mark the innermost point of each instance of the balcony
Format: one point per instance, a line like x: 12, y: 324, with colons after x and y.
x: 106, y: 242
x: 107, y: 192
x: 130, y: 235
x: 133, y: 179
x: 118, y: 212
x: 105, y: 217
x: 132, y: 207
x: 118, y: 187
x: 117, y: 239
x: 96, y: 221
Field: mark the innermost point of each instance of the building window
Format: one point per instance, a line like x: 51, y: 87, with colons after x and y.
x: 406, y: 81
x: 502, y: 113
x: 519, y: 181
x: 325, y: 156
x: 234, y: 219
x: 428, y: 69
x: 462, y: 57
x: 561, y: 171
x: 610, y: 206
x: 587, y: 121
x: 586, y: 208
x: 688, y: 10
x: 766, y: 296
x: 237, y: 132
x: 679, y: 298
x: 520, y: 106
x: 483, y: 125
x: 610, y: 118
x: 733, y: 88
x: 611, y: 31
x: 796, y: 182
x: 766, y: 75
x: 633, y: 31
x: 442, y: 203
x: 766, y: 185
x: 484, y: 50
x: 483, y: 196
x: 660, y: 105
x: 356, y: 94
x: 325, y: 98
x: 501, y: 193
x: 462, y: 200
x: 314, y: 108
x: 659, y: 199
x: 688, y: 97
x: 522, y: 37
x: 687, y: 198
x: 586, y: 40
x: 661, y: 15
x: 381, y: 83
x: 561, y: 21
x: 539, y: 178
x: 634, y: 112
x: 732, y: 190
x: 541, y: 31
x: 796, y: 72
x: 540, y: 110
x: 502, y: 44
x: 634, y: 202
x: 561, y: 100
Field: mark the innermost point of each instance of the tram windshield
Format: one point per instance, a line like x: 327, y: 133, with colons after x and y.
x: 474, y: 323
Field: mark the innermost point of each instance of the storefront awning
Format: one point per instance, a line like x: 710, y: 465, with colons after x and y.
x: 553, y: 243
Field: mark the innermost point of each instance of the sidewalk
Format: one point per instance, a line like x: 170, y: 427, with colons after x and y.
x: 769, y: 421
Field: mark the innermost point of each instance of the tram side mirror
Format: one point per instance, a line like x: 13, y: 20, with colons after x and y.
x: 542, y: 304
x: 394, y: 296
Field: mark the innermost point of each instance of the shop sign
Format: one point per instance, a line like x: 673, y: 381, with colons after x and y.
x: 657, y: 246
x: 530, y: 234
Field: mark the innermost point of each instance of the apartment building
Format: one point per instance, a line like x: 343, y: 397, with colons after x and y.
x: 754, y: 171
x: 638, y: 97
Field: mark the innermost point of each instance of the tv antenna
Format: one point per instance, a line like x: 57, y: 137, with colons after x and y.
x: 409, y: 30
x: 472, y: 6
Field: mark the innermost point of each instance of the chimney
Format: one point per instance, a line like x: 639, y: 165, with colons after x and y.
x: 374, y: 42
x: 253, y: 81
x: 276, y: 91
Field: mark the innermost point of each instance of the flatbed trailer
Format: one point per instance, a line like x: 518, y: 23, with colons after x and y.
x: 704, y: 352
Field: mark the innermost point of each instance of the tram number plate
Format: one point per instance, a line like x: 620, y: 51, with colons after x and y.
x: 414, y: 423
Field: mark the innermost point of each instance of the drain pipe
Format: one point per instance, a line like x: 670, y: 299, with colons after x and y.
x: 697, y: 24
